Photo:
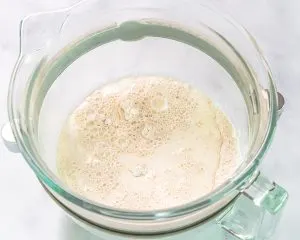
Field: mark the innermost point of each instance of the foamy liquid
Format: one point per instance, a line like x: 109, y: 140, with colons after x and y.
x: 146, y: 143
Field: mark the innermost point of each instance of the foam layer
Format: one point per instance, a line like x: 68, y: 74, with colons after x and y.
x: 146, y: 143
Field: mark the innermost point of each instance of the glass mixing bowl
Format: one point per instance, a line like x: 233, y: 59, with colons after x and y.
x: 66, y: 54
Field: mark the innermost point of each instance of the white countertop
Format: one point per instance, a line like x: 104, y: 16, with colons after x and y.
x: 26, y: 212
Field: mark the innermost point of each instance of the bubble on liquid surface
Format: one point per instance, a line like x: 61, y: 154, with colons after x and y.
x: 159, y: 103
x: 148, y: 131
x: 139, y: 170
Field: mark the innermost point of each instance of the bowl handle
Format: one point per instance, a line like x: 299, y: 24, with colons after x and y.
x: 255, y: 213
x: 39, y: 31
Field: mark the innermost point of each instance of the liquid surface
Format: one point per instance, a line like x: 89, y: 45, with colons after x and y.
x: 146, y: 143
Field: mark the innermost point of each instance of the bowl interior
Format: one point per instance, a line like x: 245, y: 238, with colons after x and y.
x: 140, y: 49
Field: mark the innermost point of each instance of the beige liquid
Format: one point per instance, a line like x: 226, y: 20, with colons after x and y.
x: 146, y: 143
